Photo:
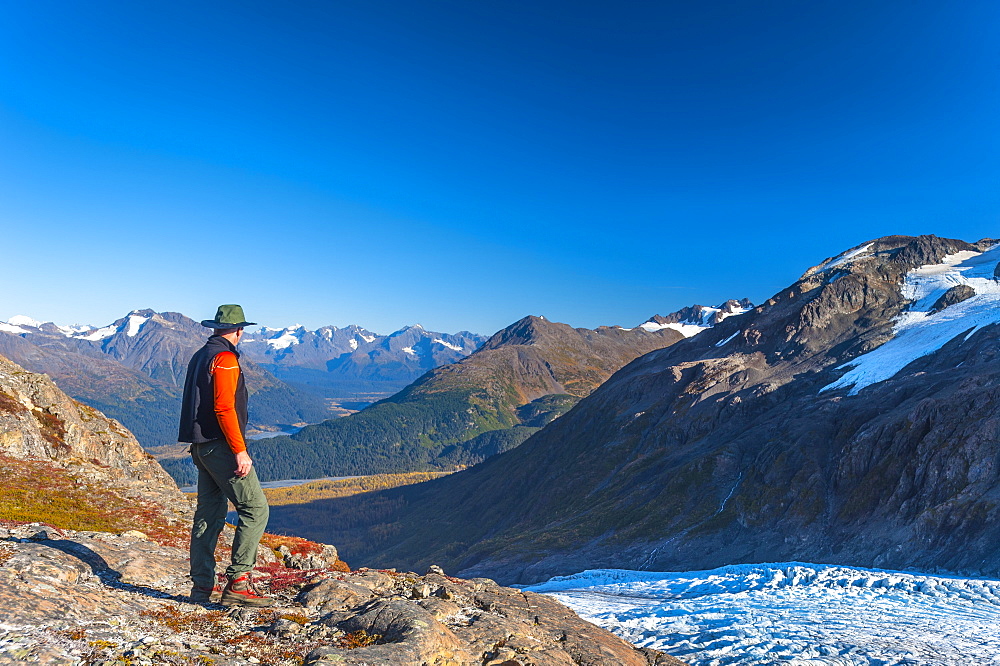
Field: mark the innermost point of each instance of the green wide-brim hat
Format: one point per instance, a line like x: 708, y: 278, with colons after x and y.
x: 228, y: 316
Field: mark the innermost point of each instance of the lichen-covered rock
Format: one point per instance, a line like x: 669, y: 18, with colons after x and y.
x: 327, y: 557
x: 71, y: 597
x: 436, y: 619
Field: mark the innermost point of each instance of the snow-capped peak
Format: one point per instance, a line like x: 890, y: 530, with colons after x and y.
x: 11, y: 328
x: 24, y: 320
x: 74, y: 330
x: 693, y: 320
x: 922, y: 330
x: 283, y: 338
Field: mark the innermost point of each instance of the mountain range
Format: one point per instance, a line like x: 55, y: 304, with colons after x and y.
x: 353, y: 366
x: 519, y: 380
x: 852, y: 418
x: 133, y: 369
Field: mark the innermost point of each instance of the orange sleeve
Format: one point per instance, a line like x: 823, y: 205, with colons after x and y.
x: 225, y: 371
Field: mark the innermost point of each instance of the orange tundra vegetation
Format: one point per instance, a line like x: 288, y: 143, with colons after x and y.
x: 70, y: 502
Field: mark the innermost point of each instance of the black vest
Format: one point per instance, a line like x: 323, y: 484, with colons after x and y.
x: 198, y: 421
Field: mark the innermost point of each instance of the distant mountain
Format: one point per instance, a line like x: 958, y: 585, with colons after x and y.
x: 522, y: 378
x: 696, y: 318
x: 353, y: 366
x: 133, y: 370
x: 850, y: 419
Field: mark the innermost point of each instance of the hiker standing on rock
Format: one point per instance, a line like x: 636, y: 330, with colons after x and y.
x: 214, y: 421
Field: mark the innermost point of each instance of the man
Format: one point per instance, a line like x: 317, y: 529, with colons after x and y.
x: 214, y: 421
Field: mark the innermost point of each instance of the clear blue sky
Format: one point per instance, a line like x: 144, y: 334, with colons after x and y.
x: 462, y: 164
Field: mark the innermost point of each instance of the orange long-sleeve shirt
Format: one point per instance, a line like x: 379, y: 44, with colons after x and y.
x: 225, y: 371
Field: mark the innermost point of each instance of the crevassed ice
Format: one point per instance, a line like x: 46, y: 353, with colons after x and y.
x: 793, y: 613
x: 918, y: 332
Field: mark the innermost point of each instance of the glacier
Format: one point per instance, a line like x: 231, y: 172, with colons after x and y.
x: 793, y: 613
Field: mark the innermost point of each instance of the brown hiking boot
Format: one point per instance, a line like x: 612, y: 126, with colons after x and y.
x: 202, y: 595
x: 240, y: 592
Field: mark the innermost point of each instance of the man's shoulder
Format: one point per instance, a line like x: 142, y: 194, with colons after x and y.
x: 225, y: 360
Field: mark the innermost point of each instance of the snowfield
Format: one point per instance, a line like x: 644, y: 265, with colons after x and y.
x: 920, y: 330
x: 793, y: 613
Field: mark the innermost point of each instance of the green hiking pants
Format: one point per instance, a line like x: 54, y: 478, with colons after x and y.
x: 218, y: 485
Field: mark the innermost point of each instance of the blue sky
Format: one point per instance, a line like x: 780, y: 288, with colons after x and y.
x: 463, y: 164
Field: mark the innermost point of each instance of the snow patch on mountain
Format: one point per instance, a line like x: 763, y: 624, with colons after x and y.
x: 696, y: 319
x: 135, y: 323
x: 99, y: 333
x: 846, y: 257
x: 353, y: 343
x: 448, y: 344
x: 795, y: 613
x: 919, y: 331
x: 720, y: 343
x: 409, y: 350
x: 687, y: 330
x: 11, y: 328
x: 75, y: 330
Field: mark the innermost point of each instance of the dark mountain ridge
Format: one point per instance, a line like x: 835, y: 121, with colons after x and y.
x: 739, y: 445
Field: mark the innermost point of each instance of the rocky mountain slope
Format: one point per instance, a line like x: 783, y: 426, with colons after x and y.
x: 522, y: 378
x: 850, y: 419
x: 93, y: 568
x: 38, y: 421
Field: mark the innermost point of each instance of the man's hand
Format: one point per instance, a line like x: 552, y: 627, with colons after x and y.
x: 243, y: 464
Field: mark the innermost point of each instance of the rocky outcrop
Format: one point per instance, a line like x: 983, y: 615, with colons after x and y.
x: 70, y: 597
x: 39, y: 421
x: 954, y: 296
